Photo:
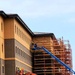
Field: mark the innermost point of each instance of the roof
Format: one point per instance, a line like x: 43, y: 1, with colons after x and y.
x: 41, y: 34
x: 16, y: 16
x: 3, y: 14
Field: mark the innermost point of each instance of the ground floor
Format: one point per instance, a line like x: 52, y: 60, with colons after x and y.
x: 2, y: 67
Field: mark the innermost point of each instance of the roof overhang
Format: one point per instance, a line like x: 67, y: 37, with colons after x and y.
x: 45, y: 35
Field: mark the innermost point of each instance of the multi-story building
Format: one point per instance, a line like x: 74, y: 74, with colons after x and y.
x: 15, y: 41
x: 15, y: 48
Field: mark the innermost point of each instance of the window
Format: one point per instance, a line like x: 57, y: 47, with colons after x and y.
x: 15, y: 28
x: 1, y: 26
x: 21, y: 52
x: 19, y: 32
x: 16, y: 50
x: 2, y: 47
x: 2, y: 69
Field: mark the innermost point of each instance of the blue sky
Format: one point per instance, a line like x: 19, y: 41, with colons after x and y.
x: 56, y: 16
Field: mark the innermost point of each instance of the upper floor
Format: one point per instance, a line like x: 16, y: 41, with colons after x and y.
x: 13, y: 27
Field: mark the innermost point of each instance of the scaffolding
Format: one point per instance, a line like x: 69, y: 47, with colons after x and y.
x: 43, y: 64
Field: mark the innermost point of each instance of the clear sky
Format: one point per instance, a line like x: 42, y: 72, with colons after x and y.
x: 56, y: 16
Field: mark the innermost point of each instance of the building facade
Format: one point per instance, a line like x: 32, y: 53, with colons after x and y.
x: 2, y: 49
x: 16, y: 39
x: 15, y: 48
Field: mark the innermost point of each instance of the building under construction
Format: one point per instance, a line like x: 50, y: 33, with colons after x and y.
x: 17, y: 56
x: 43, y: 63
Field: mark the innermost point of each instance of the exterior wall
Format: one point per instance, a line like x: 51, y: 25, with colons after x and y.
x: 23, y: 65
x: 20, y: 55
x: 9, y: 49
x: 9, y: 46
x: 2, y: 67
x: 17, y: 47
x: 23, y: 57
x: 9, y: 29
x: 22, y: 47
x: 10, y: 67
x: 1, y: 38
x: 21, y: 35
x: 2, y: 51
x: 43, y: 41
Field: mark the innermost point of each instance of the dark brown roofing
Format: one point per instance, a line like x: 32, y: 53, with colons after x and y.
x: 38, y: 34
x: 2, y: 13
